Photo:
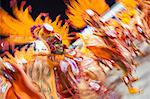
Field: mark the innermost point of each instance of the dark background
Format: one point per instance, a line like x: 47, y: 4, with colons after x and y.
x: 53, y: 7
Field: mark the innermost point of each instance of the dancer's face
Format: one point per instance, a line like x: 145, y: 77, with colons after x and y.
x: 55, y: 44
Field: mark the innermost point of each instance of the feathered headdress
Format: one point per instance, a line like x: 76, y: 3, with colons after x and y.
x: 19, y: 28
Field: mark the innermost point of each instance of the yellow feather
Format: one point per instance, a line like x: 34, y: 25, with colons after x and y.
x: 23, y: 16
x: 129, y: 3
x: 76, y: 10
